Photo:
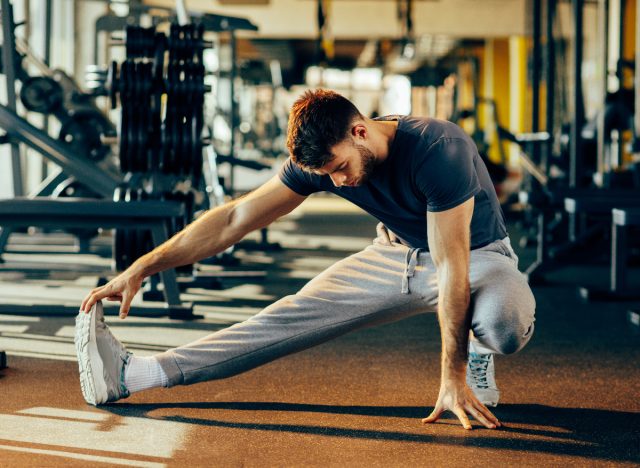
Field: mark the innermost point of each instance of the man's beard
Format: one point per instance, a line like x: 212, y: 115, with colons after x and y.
x: 369, y: 163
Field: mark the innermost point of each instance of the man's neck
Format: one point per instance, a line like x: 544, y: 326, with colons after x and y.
x: 384, y: 133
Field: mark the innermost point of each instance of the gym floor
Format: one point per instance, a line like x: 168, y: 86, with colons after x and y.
x: 570, y: 398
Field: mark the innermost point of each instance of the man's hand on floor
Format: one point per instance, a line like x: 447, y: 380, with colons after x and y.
x: 457, y: 397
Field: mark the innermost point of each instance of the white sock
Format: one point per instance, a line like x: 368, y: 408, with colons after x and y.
x: 142, y: 373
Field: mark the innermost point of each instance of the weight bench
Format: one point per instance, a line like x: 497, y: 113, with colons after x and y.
x: 599, y: 202
x: 623, y: 212
x: 91, y: 213
x: 573, y: 200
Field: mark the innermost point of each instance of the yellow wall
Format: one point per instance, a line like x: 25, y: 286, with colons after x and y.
x: 628, y: 53
x: 495, y: 84
x: 629, y: 39
x: 501, y: 72
x: 519, y: 109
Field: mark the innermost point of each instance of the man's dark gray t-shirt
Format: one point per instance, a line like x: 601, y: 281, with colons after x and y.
x: 432, y: 166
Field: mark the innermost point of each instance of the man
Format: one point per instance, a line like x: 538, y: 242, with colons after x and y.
x: 442, y: 245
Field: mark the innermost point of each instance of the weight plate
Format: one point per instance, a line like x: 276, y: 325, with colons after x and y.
x: 41, y: 94
x: 82, y: 131
x: 173, y: 128
x: 113, y: 84
x: 131, y: 40
x: 141, y: 138
x: 158, y: 59
x: 125, y: 159
x: 132, y: 136
x: 197, y: 150
x: 164, y: 147
x: 179, y: 153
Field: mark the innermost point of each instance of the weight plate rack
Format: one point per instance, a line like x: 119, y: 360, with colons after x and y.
x: 160, y: 89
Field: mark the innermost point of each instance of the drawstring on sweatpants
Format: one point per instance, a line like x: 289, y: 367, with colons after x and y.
x: 411, y: 261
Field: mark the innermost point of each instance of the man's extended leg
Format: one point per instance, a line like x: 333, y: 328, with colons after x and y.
x: 365, y: 289
x: 361, y: 290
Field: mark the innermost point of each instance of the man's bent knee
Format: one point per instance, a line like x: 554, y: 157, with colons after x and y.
x: 507, y: 339
x: 502, y: 324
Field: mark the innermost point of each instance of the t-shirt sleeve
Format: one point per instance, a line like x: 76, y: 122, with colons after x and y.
x: 301, y: 182
x: 447, y: 176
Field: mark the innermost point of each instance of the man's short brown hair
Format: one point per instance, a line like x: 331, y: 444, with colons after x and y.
x: 318, y: 121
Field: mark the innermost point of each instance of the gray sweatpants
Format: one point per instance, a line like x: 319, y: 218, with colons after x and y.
x: 387, y: 281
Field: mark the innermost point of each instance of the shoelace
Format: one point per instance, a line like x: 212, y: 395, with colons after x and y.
x: 479, y: 364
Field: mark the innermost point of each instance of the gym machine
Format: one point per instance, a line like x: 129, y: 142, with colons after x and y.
x: 622, y: 112
x: 82, y: 154
x: 595, y: 201
x: 616, y: 117
x: 134, y: 82
x: 547, y: 196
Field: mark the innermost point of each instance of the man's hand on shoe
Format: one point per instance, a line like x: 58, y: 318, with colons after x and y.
x: 457, y: 397
x: 121, y: 288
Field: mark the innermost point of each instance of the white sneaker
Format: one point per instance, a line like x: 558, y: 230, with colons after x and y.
x: 101, y: 358
x: 481, y: 375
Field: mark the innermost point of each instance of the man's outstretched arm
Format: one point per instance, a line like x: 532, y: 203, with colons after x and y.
x: 210, y: 234
x: 449, y: 244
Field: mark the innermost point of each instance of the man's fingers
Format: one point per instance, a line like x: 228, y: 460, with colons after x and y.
x: 481, y: 418
x: 434, y: 416
x: 126, y: 305
x: 115, y: 298
x: 462, y: 416
x: 488, y: 414
x: 88, y: 303
x: 96, y: 295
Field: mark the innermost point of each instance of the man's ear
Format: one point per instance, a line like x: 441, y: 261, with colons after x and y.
x: 359, y: 131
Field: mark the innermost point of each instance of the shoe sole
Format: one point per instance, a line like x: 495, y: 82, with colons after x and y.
x: 92, y: 384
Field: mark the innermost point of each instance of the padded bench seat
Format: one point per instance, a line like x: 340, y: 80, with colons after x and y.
x: 601, y: 203
x: 83, y: 212
x: 622, y: 217
x: 67, y: 213
x: 626, y: 216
